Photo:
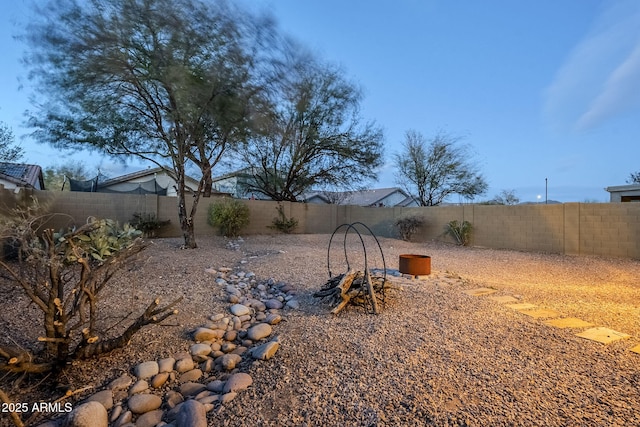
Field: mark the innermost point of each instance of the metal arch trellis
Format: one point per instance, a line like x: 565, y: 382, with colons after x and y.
x: 371, y: 297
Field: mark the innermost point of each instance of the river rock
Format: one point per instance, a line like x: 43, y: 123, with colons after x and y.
x: 138, y: 387
x: 150, y: 419
x: 237, y: 382
x: 146, y: 370
x: 121, y: 383
x: 200, y: 349
x: 259, y: 331
x: 265, y: 351
x: 104, y: 397
x: 190, y: 376
x: 206, y: 334
x: 159, y: 380
x: 273, y: 304
x: 185, y: 364
x: 192, y: 413
x: 90, y: 414
x: 166, y: 364
x: 240, y: 310
x: 273, y: 319
x: 229, y: 361
x: 191, y: 388
x: 142, y: 403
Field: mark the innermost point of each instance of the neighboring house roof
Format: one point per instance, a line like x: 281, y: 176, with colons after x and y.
x: 22, y: 175
x: 153, y: 180
x: 619, y: 188
x: 393, y: 196
x: 624, y: 193
x: 374, y: 197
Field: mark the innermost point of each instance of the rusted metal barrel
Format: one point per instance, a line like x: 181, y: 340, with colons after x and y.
x: 416, y: 265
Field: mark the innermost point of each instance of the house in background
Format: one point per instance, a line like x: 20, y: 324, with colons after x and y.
x: 236, y: 183
x: 148, y: 181
x: 16, y: 175
x: 624, y: 193
x: 378, y: 197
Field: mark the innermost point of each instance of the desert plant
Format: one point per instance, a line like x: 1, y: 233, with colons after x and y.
x: 62, y: 273
x: 229, y: 215
x: 282, y: 223
x: 461, y: 231
x: 148, y: 223
x: 408, y: 225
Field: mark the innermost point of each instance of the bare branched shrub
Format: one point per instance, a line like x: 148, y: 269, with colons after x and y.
x: 62, y: 273
x: 407, y: 226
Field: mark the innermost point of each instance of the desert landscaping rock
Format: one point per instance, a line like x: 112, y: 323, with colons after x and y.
x: 104, y: 397
x: 273, y: 304
x: 206, y: 334
x: 237, y: 382
x: 150, y: 419
x: 141, y: 403
x: 240, y: 310
x: 259, y: 331
x: 191, y: 388
x: 159, y: 380
x: 184, y: 364
x: 138, y: 387
x: 90, y: 414
x: 191, y: 414
x: 121, y: 383
x: 265, y: 351
x: 190, y: 376
x: 166, y: 364
x: 146, y: 369
x: 200, y: 349
x: 228, y: 362
x: 273, y: 318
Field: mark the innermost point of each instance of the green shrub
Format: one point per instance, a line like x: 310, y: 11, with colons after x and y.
x: 461, y: 231
x: 229, y: 215
x: 408, y: 225
x: 282, y: 223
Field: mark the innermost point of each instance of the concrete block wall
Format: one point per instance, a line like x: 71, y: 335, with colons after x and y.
x: 610, y: 229
x: 607, y: 229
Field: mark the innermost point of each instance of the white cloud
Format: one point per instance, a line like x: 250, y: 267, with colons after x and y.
x: 601, y: 77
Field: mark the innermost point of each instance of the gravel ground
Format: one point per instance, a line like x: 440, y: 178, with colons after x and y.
x: 434, y: 356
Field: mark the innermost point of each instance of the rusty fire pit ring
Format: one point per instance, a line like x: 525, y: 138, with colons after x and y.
x: 416, y: 265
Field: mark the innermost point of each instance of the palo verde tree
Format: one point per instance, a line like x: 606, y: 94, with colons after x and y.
x: 9, y: 152
x: 314, y: 136
x: 433, y: 170
x: 169, y: 81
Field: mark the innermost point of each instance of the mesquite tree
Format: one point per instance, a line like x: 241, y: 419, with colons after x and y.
x: 314, y: 137
x: 62, y: 274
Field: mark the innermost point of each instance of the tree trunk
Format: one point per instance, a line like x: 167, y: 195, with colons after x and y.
x: 186, y: 218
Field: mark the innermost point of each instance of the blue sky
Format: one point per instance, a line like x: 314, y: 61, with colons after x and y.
x: 539, y: 88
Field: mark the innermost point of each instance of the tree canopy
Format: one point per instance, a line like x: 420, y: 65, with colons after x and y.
x: 634, y: 178
x: 433, y: 170
x: 170, y: 81
x: 313, y: 137
x: 9, y: 152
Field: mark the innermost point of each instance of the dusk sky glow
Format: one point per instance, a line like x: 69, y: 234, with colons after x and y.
x: 540, y: 89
